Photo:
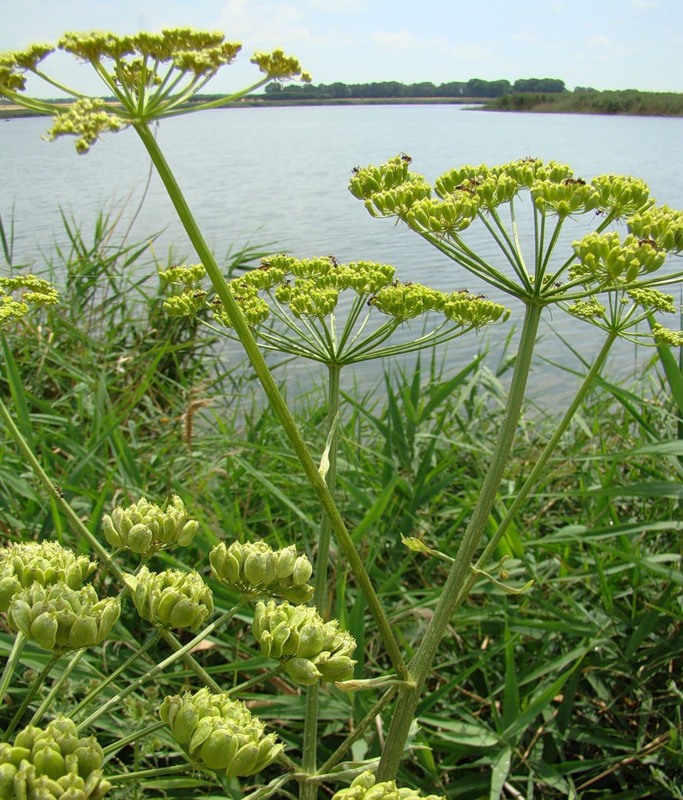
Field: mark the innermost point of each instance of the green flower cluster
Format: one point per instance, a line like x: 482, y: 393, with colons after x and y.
x: 86, y: 119
x: 145, y: 528
x: 254, y: 568
x: 311, y: 288
x: 45, y: 563
x: 590, y: 309
x: 280, y: 67
x: 150, y: 75
x: 365, y: 787
x: 464, y: 193
x: 608, y: 262
x: 185, y: 274
x: 309, y: 648
x: 59, y: 618
x: 621, y: 195
x: 653, y: 300
x: 172, y: 598
x: 33, y: 292
x: 665, y: 336
x: 52, y: 763
x: 663, y: 226
x: 219, y: 734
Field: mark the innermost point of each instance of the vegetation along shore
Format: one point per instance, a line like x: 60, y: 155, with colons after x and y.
x: 540, y: 95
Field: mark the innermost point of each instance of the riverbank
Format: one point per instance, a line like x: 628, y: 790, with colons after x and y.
x: 14, y: 111
x: 629, y: 102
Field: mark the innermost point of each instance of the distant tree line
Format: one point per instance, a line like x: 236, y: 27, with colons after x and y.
x: 476, y: 87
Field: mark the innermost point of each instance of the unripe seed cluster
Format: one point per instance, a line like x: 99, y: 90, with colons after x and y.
x: 365, y: 787
x: 145, y: 528
x: 172, y: 598
x: 59, y: 618
x: 254, y: 568
x: 309, y: 648
x: 52, y: 763
x: 219, y: 733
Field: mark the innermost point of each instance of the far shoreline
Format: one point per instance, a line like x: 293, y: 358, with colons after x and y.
x: 10, y: 111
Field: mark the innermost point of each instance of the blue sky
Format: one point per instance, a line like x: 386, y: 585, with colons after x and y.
x: 607, y: 44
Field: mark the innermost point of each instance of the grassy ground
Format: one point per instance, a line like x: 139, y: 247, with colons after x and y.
x: 574, y: 683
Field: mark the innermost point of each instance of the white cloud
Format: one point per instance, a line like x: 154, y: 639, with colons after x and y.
x: 644, y: 5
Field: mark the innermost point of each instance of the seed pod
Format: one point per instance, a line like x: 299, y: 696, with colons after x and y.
x: 253, y: 568
x: 44, y: 563
x: 219, y: 733
x: 171, y: 599
x: 59, y: 618
x: 145, y: 528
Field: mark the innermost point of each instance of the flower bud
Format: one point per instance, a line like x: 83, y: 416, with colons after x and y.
x: 606, y: 261
x: 219, y: 733
x: 145, y: 528
x: 661, y: 225
x: 171, y: 599
x: 59, y: 618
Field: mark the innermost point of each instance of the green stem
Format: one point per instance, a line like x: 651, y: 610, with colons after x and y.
x: 358, y: 730
x: 309, y: 791
x: 114, y: 675
x: 31, y: 693
x: 11, y: 665
x: 540, y: 464
x: 262, y: 676
x: 255, y: 356
x: 147, y: 773
x: 422, y: 662
x: 56, y: 686
x: 171, y: 640
x: 152, y: 673
x: 133, y: 737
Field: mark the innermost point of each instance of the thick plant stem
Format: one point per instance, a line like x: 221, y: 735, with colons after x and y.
x: 421, y: 664
x: 258, y: 362
x: 541, y: 462
x: 309, y: 791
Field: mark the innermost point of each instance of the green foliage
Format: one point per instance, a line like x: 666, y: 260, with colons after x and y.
x: 582, y: 101
x: 576, y: 541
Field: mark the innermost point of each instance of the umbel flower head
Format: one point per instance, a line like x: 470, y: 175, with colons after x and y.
x: 32, y: 292
x: 25, y: 563
x: 52, y: 763
x: 292, y: 305
x: 254, y: 568
x: 149, y: 75
x: 218, y: 733
x: 365, y: 787
x: 172, y: 598
x: 145, y: 528
x: 59, y: 618
x: 309, y: 648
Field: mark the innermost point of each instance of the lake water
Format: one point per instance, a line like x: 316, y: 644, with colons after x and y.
x: 278, y: 177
